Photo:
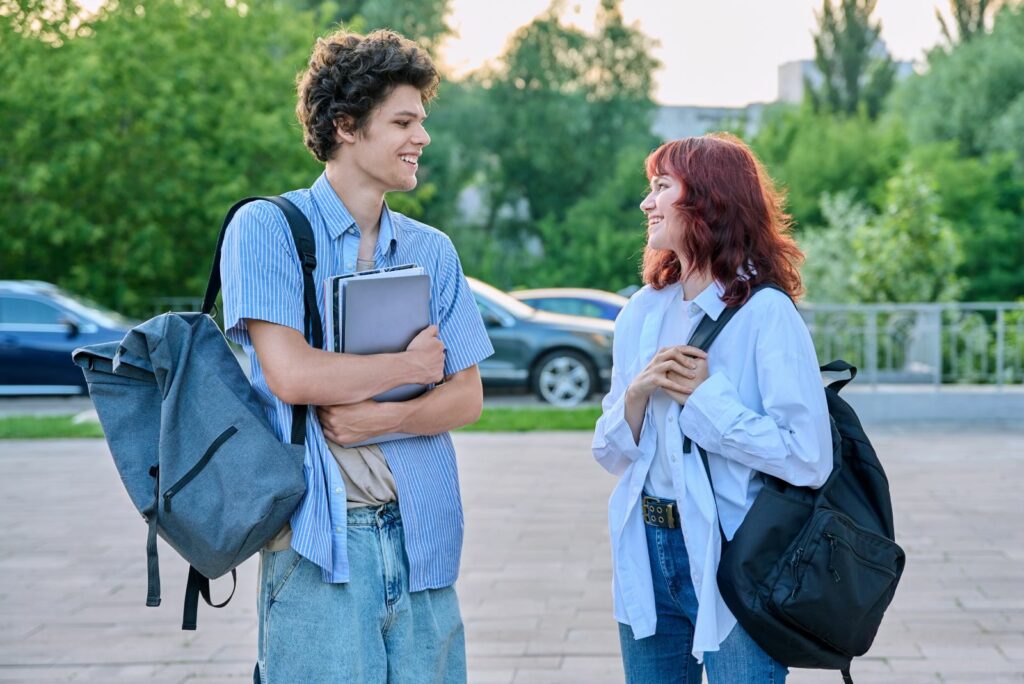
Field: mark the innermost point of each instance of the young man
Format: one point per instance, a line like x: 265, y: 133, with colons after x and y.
x: 358, y: 588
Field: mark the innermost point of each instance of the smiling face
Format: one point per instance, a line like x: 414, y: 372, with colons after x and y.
x: 385, y: 152
x: 664, y: 221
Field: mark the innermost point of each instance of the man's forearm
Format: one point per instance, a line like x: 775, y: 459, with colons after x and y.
x: 320, y: 378
x: 456, y: 403
x: 299, y: 374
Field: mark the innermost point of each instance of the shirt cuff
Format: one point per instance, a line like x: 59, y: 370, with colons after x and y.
x: 709, y: 413
x: 615, y: 434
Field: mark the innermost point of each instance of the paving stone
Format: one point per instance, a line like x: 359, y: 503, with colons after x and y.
x: 535, y: 583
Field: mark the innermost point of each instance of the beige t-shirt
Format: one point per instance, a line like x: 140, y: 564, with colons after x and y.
x: 368, y: 482
x: 367, y: 477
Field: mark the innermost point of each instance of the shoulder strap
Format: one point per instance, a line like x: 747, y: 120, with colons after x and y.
x: 707, y: 331
x: 305, y: 245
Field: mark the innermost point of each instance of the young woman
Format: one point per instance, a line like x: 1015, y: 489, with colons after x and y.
x: 716, y: 229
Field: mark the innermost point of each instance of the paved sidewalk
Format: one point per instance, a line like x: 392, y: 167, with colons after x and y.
x: 536, y: 575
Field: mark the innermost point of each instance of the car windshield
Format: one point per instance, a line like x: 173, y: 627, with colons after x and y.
x: 90, y: 310
x: 505, y: 301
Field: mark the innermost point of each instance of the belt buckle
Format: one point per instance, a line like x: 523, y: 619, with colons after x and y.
x: 659, y: 514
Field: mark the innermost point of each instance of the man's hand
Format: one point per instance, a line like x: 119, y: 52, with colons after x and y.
x: 426, y: 355
x: 353, y: 423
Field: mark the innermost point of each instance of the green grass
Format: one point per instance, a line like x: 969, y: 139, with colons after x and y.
x: 509, y: 419
x: 503, y: 419
x: 46, y: 427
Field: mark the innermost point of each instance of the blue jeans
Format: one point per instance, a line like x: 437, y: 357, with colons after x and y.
x: 369, y: 630
x: 665, y: 657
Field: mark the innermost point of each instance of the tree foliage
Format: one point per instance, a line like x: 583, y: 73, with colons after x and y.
x: 563, y: 104
x: 811, y: 154
x: 128, y: 143
x: 856, y: 71
x: 909, y: 253
x: 974, y: 94
x: 970, y: 19
x: 906, y: 253
x: 425, y: 21
x: 600, y: 240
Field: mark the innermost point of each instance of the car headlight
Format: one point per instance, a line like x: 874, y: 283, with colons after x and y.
x: 601, y: 339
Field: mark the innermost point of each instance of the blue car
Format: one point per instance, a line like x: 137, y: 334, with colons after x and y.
x: 40, y: 325
x: 574, y: 301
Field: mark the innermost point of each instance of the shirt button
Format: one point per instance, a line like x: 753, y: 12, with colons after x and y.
x: 671, y: 419
x: 337, y: 490
x: 338, y: 529
x: 694, y: 309
x: 350, y: 231
x: 350, y: 265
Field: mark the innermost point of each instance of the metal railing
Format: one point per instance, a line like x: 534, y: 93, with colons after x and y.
x: 958, y: 342
x: 962, y: 342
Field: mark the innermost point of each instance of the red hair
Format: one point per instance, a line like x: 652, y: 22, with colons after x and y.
x: 733, y: 217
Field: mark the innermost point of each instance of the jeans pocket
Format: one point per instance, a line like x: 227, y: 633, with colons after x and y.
x: 282, y: 565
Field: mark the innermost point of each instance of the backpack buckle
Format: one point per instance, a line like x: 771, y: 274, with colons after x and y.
x: 308, y: 262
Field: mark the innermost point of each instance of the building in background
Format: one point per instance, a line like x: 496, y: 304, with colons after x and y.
x: 681, y: 121
x: 794, y: 76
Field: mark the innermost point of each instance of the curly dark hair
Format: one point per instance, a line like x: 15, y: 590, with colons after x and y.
x: 350, y: 75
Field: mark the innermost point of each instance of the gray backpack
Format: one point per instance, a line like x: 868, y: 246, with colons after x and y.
x: 191, y: 440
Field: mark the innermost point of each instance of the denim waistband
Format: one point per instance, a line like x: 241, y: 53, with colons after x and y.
x: 375, y: 515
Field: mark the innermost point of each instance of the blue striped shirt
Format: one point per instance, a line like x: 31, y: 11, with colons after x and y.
x: 262, y: 280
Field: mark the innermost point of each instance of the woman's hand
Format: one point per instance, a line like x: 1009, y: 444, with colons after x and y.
x: 695, y: 372
x: 677, y: 370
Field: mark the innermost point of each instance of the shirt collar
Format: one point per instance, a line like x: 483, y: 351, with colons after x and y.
x: 338, y: 219
x: 389, y: 228
x: 710, y: 300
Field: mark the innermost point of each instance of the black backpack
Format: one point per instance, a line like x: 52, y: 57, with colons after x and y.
x: 810, y: 572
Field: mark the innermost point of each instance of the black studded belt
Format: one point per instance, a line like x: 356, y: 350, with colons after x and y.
x: 660, y: 512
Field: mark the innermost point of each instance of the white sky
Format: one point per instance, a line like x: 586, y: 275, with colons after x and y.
x: 713, y: 52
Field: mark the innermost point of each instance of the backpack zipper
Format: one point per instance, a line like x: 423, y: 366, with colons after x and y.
x: 793, y: 563
x: 197, y: 468
x: 832, y: 539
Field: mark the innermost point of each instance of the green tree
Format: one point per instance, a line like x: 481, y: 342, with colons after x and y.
x: 599, y: 242
x: 970, y: 19
x: 983, y: 198
x: 909, y: 253
x: 828, y: 267
x: 811, y: 154
x: 425, y: 21
x: 856, y: 72
x: 973, y: 94
x: 563, y: 105
x: 157, y: 116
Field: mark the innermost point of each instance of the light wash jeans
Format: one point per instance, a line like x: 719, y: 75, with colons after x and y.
x: 665, y: 658
x: 370, y: 630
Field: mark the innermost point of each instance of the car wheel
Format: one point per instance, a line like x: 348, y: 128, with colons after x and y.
x: 564, y: 378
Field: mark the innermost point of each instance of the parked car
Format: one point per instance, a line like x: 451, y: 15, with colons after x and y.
x: 563, y: 359
x: 40, y: 325
x: 574, y: 301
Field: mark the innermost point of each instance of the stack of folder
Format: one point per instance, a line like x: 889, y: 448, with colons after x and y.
x: 378, y: 312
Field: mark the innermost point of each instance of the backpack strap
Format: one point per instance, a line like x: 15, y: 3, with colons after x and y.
x: 840, y: 366
x: 305, y: 245
x: 199, y: 585
x: 707, y: 331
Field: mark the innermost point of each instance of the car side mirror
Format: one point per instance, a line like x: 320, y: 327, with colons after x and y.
x: 491, y: 320
x: 73, y: 326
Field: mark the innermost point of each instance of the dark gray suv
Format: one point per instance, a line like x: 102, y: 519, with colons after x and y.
x: 562, y: 359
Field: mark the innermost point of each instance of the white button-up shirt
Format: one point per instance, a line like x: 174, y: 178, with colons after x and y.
x: 762, y: 409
